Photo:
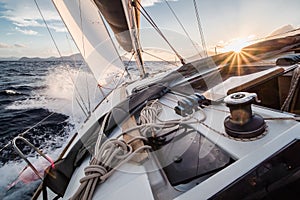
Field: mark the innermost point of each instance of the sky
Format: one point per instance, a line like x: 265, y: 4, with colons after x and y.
x: 23, y: 32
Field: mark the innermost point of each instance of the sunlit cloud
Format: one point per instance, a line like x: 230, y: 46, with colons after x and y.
x: 3, y: 45
x: 57, y: 27
x: 26, y: 31
x: 282, y: 30
x: 19, y: 45
x: 235, y: 44
x: 147, y: 3
x: 25, y: 14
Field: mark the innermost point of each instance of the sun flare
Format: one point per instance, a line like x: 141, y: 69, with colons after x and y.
x: 236, y: 45
x: 237, y: 48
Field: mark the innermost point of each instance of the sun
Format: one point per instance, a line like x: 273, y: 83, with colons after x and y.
x: 236, y: 45
x: 237, y: 48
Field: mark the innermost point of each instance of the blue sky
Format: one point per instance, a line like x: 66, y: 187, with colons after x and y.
x: 23, y: 32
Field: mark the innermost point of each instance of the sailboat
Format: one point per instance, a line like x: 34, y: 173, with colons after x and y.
x: 221, y: 127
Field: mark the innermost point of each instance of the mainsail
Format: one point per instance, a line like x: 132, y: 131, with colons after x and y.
x: 84, y: 22
x: 114, y: 14
x: 123, y: 17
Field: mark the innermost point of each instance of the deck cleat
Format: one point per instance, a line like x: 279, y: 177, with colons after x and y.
x: 190, y: 103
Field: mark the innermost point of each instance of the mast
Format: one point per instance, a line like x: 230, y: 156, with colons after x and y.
x: 123, y: 18
x: 132, y: 17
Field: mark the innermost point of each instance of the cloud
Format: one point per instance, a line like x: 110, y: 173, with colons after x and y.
x: 3, y: 45
x: 57, y: 27
x: 25, y: 14
x: 282, y: 30
x: 19, y: 45
x: 26, y: 31
x: 147, y: 3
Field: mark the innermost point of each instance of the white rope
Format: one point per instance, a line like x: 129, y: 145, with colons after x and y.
x: 294, y: 82
x: 113, y: 153
x: 62, y: 59
x: 150, y: 121
x: 101, y: 132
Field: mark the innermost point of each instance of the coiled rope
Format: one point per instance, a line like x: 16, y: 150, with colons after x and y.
x: 113, y: 153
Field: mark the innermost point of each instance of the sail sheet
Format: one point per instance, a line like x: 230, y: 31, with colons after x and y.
x: 88, y: 30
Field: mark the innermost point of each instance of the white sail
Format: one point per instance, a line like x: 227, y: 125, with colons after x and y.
x: 88, y: 30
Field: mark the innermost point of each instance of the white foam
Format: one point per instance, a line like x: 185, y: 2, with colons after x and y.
x: 11, y: 92
x: 60, y: 95
x: 10, y: 171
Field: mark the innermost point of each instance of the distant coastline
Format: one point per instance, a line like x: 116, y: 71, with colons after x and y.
x: 73, y: 57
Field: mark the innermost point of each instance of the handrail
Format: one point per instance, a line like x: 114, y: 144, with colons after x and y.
x: 24, y: 157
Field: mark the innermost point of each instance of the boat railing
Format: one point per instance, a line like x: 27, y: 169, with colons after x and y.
x: 21, y: 154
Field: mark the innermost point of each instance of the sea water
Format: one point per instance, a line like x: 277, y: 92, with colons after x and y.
x: 40, y: 99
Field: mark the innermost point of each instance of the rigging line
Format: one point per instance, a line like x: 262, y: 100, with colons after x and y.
x: 114, y: 45
x: 76, y: 90
x: 185, y: 31
x: 169, y: 62
x: 37, y: 124
x: 81, y: 26
x: 111, y: 38
x: 113, y: 82
x: 161, y: 34
x: 105, y: 97
x: 200, y: 28
x: 84, y: 54
x: 82, y: 109
x: 152, y: 23
x: 38, y: 7
x: 119, y: 81
x: 7, y: 145
x: 88, y: 92
x: 133, y: 19
x: 127, y: 65
x: 25, y: 132
x: 125, y: 70
x: 76, y: 98
x: 85, y: 62
x: 55, y: 44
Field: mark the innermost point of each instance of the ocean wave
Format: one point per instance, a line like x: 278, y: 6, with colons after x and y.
x: 26, y: 101
x: 20, y: 89
x: 10, y: 92
x: 13, y: 186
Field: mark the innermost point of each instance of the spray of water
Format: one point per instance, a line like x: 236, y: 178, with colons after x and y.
x: 57, y: 94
